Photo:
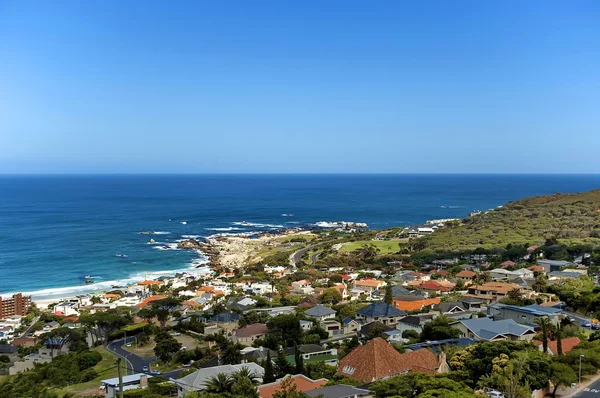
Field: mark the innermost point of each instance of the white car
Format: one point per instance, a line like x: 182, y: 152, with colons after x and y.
x: 128, y: 344
x: 494, y: 394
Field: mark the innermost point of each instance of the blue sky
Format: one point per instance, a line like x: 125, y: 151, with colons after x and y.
x: 304, y: 86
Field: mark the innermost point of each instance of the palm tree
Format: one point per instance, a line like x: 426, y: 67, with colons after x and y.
x: 245, y: 372
x: 231, y: 354
x: 219, y: 384
x: 545, y: 324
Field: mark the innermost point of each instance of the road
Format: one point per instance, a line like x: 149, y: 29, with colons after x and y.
x: 33, y: 322
x: 296, y: 257
x: 591, y: 391
x: 135, y: 363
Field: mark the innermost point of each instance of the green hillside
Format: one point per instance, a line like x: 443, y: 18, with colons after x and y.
x: 570, y: 218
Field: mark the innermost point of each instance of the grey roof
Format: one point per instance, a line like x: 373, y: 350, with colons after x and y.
x: 436, y: 344
x: 198, y: 379
x: 559, y: 263
x: 226, y: 317
x: 261, y: 353
x: 417, y: 319
x: 347, y: 320
x: 488, y: 329
x: 126, y: 379
x: 305, y: 348
x: 8, y: 349
x: 366, y: 329
x: 449, y: 305
x: 320, y: 310
x: 380, y: 309
x: 338, y: 391
x: 566, y: 274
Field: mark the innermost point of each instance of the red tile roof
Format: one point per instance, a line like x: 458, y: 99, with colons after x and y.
x: 378, y: 359
x: 414, y: 305
x: 252, y: 330
x: 150, y: 299
x: 301, y: 382
x: 567, y: 344
x: 466, y: 274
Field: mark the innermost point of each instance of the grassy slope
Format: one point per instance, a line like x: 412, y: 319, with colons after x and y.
x: 568, y: 217
x: 106, y: 369
x: 384, y: 246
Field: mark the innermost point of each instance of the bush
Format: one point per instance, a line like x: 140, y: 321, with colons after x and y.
x: 88, y: 359
x: 88, y: 375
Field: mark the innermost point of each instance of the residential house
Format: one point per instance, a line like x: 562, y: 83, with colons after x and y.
x: 309, y: 302
x: 557, y: 275
x: 312, y: 353
x: 306, y: 325
x: 380, y: 311
x: 554, y: 265
x: 130, y: 382
x: 332, y: 327
x: 342, y: 290
x: 492, y: 291
x: 439, y: 345
x: 434, y: 287
x: 466, y: 276
x: 500, y: 274
x: 486, y: 329
x: 414, y: 303
x: 197, y: 381
x: 247, y: 335
x: 339, y: 391
x: 414, y: 322
x: 377, y: 360
x: 527, y: 315
x: 320, y: 312
x: 350, y: 325
x: 301, y: 384
x: 302, y: 287
x: 568, y: 344
x: 366, y: 330
x: 66, y: 308
x: 369, y: 285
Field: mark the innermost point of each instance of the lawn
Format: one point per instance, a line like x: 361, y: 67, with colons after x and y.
x: 147, y: 350
x: 384, y: 246
x: 106, y: 369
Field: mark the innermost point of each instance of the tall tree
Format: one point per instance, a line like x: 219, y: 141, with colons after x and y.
x: 219, y: 384
x: 282, y: 364
x: 231, y: 354
x: 299, y: 361
x: 562, y: 376
x: 269, y: 373
x: 163, y: 309
x: 545, y: 324
x: 389, y: 295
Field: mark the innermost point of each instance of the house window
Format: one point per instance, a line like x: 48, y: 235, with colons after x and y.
x: 348, y: 369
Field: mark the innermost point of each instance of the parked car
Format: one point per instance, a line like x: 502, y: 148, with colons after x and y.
x: 128, y: 344
x: 494, y: 394
x: 586, y: 324
x: 155, y: 372
x: 145, y: 369
x: 175, y: 334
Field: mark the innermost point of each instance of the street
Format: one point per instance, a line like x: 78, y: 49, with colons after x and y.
x: 136, y: 363
x: 591, y: 391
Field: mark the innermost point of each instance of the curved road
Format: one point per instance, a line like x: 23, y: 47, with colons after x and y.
x: 135, y: 363
x: 296, y: 257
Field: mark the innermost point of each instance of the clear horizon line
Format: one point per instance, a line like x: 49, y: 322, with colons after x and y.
x: 287, y: 173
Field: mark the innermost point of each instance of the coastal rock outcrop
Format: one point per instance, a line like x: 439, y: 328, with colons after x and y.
x: 190, y: 244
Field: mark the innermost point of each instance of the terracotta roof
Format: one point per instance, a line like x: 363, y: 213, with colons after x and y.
x: 414, y: 305
x: 378, y: 359
x: 433, y: 285
x: 536, y: 268
x: 466, y: 274
x: 252, y: 330
x: 508, y: 264
x: 301, y: 382
x: 369, y: 282
x: 149, y: 282
x: 567, y: 344
x: 112, y: 295
x: 497, y: 287
x: 192, y: 303
x: 70, y: 319
x: 150, y: 299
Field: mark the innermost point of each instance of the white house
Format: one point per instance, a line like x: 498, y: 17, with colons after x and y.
x: 130, y: 382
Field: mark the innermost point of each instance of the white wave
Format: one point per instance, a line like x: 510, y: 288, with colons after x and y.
x: 184, y: 222
x: 287, y: 215
x: 191, y: 236
x: 162, y: 233
x: 292, y: 222
x: 166, y: 246
x: 258, y: 225
x: 223, y: 234
x: 225, y: 229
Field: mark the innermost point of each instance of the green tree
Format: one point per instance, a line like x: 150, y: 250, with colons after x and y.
x: 389, y: 296
x: 219, y: 384
x: 299, y: 361
x: 562, y: 376
x: 269, y: 376
x: 166, y: 346
x: 545, y: 324
x: 439, y: 329
x: 163, y: 309
x: 231, y: 354
x: 282, y: 365
x: 330, y: 296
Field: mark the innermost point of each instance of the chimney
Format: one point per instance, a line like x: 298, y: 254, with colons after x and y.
x: 143, y: 381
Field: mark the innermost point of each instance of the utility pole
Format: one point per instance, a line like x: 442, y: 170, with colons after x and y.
x: 120, y: 377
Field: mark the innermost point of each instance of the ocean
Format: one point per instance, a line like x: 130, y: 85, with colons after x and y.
x: 57, y: 231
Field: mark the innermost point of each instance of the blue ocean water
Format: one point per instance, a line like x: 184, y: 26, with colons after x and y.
x: 55, y: 230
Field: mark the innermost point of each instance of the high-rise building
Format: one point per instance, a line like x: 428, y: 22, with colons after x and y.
x: 17, y: 305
